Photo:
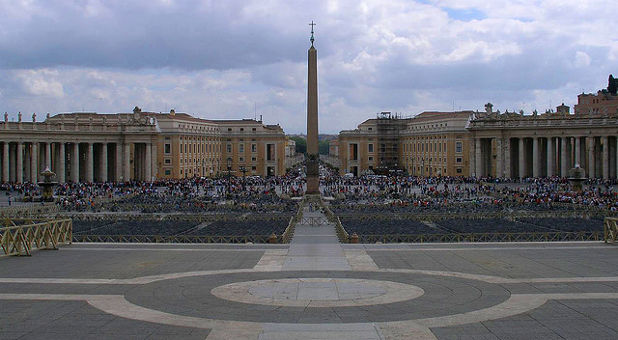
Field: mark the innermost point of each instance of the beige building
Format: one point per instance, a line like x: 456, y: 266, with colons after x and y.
x: 91, y: 147
x: 541, y: 145
x: 430, y: 144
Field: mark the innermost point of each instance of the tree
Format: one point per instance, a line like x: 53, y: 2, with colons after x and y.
x: 301, y: 144
x: 612, y: 85
x: 323, y: 147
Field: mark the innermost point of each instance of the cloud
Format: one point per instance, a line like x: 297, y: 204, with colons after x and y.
x: 221, y: 59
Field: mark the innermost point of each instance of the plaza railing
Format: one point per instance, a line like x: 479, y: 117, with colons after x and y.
x: 172, y: 238
x: 342, y: 234
x: 610, y: 229
x: 29, y: 210
x: 484, y: 237
x: 21, y: 240
x: 287, y: 235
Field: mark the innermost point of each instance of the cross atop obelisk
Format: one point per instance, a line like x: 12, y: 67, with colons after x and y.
x: 313, y: 173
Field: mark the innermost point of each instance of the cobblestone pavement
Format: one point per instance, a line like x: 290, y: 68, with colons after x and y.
x: 313, y: 288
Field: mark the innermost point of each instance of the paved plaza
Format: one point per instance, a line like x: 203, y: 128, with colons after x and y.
x: 313, y: 288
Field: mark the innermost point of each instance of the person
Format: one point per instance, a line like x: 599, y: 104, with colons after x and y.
x: 9, y: 201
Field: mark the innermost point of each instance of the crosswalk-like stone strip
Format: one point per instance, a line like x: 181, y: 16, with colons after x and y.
x: 272, y: 260
x: 359, y: 260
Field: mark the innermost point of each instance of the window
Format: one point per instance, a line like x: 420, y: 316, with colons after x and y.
x: 169, y: 172
x: 241, y: 148
x: 459, y: 170
x: 253, y: 147
x: 168, y: 148
x: 241, y: 159
x: 370, y: 158
x: 253, y: 129
x: 229, y: 129
x: 254, y: 159
x: 458, y: 159
x: 168, y: 161
x: 370, y: 147
x: 253, y: 168
x: 242, y: 129
x: 229, y: 147
x: 458, y: 147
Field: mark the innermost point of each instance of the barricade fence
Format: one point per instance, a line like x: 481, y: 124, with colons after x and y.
x: 484, y: 237
x: 30, y: 210
x: 21, y: 240
x: 171, y: 239
x: 610, y: 229
x: 287, y: 235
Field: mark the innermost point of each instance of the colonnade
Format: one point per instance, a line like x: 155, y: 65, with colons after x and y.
x: 520, y: 157
x: 77, y: 161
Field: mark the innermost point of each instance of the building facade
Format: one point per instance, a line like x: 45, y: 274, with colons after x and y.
x: 91, y: 147
x: 490, y: 143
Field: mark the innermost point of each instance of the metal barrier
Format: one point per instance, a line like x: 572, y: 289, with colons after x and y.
x: 170, y: 239
x: 287, y: 235
x: 21, y: 240
x: 610, y: 229
x: 30, y: 210
x: 484, y: 237
x: 342, y: 235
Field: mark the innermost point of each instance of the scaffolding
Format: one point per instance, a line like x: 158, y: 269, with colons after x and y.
x: 389, y: 126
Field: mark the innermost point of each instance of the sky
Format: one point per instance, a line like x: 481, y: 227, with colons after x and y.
x: 238, y: 59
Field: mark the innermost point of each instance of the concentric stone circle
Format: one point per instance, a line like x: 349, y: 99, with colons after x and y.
x: 317, y: 292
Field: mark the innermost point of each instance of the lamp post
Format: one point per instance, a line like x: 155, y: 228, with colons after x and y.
x: 244, y: 171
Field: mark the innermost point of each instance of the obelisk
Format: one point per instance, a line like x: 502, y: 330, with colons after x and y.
x: 313, y: 173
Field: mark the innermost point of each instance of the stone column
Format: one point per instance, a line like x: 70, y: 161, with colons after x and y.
x: 507, y: 158
x: 605, y: 157
x: 500, y: 151
x: 127, y: 161
x: 148, y: 162
x: 478, y: 157
x: 536, y: 165
x: 155, y: 165
x: 20, y: 162
x: 563, y: 157
x: 522, y: 159
x: 48, y: 155
x: 578, y: 151
x: 75, y: 163
x: 551, y: 157
x: 61, y: 168
x: 591, y: 160
x: 103, y: 163
x: 34, y: 162
x: 118, y: 176
x: 5, y: 162
x: 89, y: 163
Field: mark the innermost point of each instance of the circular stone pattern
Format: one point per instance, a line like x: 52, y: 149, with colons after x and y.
x: 317, y: 292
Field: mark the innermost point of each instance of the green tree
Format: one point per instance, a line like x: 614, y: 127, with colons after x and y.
x: 612, y: 85
x: 323, y: 147
x: 301, y: 144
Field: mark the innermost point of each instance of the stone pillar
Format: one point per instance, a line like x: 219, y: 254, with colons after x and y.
x: 61, y: 167
x: 75, y: 163
x: 522, y: 159
x: 118, y: 176
x: 591, y: 160
x: 563, y: 157
x: 507, y: 158
x: 127, y: 161
x: 499, y: 153
x: 20, y: 163
x: 551, y: 157
x: 48, y: 155
x: 103, y: 163
x: 605, y: 157
x: 155, y: 166
x: 313, y: 173
x: 89, y: 163
x: 536, y: 165
x: 578, y: 151
x: 5, y: 162
x: 148, y: 163
x: 34, y: 162
x: 478, y: 157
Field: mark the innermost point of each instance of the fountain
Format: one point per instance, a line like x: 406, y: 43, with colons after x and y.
x: 47, y: 186
x: 576, y: 177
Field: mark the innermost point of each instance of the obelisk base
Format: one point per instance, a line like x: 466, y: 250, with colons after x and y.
x: 313, y: 177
